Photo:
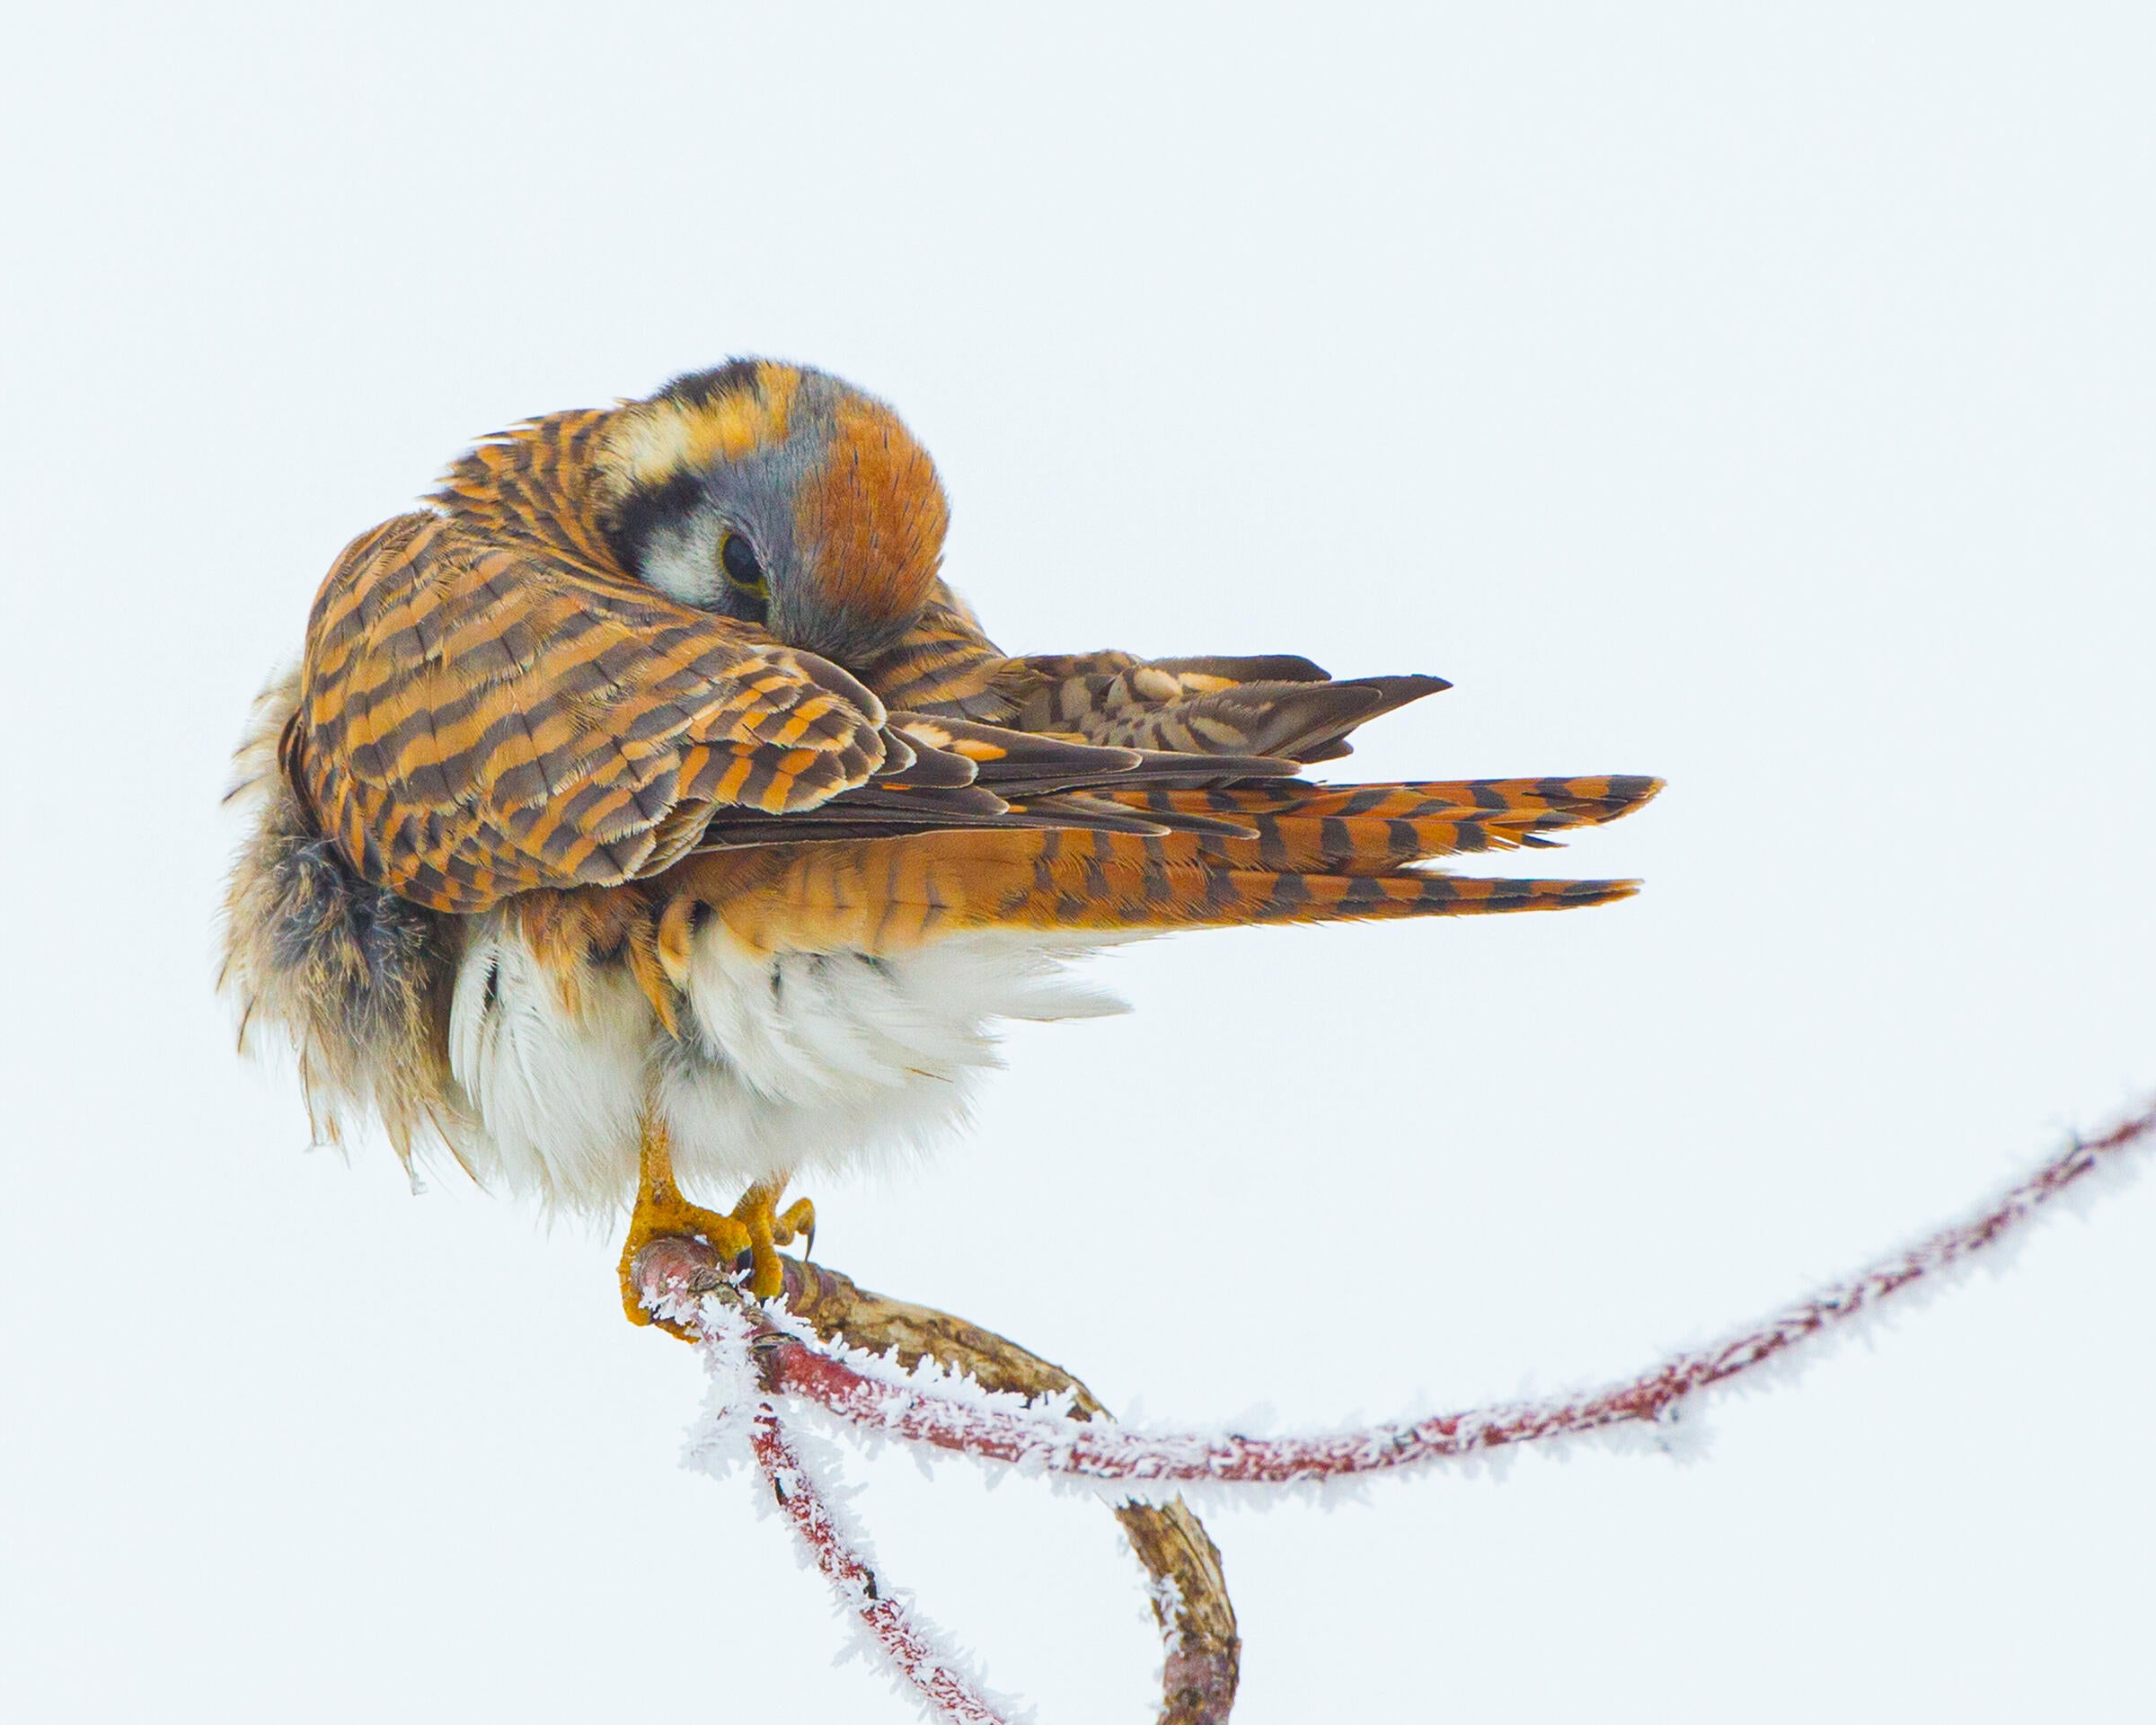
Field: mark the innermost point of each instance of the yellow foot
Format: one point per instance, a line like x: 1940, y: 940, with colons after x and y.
x: 768, y: 1229
x: 756, y: 1227
x: 662, y: 1213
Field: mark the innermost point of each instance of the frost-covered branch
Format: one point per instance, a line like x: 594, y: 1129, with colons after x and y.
x: 922, y: 1408
x: 892, y: 1370
x: 911, y: 1648
x: 743, y: 1424
x: 1187, y: 1590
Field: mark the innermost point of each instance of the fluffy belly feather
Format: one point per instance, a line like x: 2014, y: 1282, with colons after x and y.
x: 783, y: 1062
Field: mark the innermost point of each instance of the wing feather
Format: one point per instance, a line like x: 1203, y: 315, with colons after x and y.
x: 480, y: 718
x: 490, y: 706
x: 1274, y: 704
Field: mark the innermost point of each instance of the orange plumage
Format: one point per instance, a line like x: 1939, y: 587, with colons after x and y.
x: 647, y: 798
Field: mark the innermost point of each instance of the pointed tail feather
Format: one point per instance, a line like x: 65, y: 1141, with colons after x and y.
x: 893, y: 893
x: 1374, y: 829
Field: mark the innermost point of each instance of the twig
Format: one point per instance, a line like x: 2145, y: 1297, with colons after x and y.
x: 1186, y: 1587
x: 915, y: 1657
x: 858, y: 1357
x: 865, y: 1392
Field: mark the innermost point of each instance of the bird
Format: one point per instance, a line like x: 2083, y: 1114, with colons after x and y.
x: 647, y: 820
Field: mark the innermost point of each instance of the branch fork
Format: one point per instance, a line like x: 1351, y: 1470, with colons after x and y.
x: 856, y: 1359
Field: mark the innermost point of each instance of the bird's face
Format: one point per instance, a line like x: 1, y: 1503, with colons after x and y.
x: 781, y: 496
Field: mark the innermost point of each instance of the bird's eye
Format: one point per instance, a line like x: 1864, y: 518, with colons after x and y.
x: 744, y: 573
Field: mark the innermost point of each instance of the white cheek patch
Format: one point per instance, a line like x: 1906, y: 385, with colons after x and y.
x: 681, y: 560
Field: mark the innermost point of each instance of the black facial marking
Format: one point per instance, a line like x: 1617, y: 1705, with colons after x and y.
x: 700, y: 388
x: 643, y: 512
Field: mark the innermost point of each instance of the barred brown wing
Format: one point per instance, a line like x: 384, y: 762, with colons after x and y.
x: 482, y: 714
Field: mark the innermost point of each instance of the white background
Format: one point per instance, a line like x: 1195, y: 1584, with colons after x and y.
x: 1759, y: 397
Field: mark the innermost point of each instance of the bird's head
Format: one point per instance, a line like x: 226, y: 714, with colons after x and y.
x: 778, y: 495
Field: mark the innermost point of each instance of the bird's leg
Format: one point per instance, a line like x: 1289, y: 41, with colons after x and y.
x: 661, y: 1211
x: 769, y: 1227
x: 756, y: 1225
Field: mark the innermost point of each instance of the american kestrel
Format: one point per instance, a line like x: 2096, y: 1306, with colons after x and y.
x: 646, y: 810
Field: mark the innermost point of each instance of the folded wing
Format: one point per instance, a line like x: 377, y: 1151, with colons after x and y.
x: 481, y: 717
x: 485, y: 713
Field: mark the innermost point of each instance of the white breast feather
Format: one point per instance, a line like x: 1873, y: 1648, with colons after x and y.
x: 558, y: 1092
x: 790, y: 1062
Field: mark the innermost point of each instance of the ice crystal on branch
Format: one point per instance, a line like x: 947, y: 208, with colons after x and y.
x: 765, y: 1359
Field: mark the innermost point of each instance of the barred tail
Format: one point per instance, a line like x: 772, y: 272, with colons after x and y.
x: 1267, y: 852
x: 1374, y: 829
x: 1102, y: 880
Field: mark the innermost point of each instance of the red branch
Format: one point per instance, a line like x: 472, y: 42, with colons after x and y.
x: 747, y: 1343
x: 848, y: 1571
x: 854, y: 1390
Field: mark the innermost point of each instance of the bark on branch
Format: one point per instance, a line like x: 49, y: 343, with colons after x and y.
x: 1188, y: 1590
x: 772, y: 1357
